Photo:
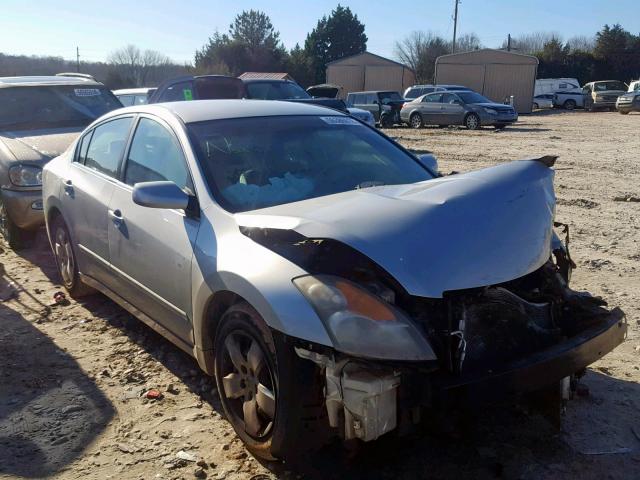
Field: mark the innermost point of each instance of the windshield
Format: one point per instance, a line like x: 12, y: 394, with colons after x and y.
x: 604, y: 86
x: 29, y: 108
x: 472, y: 97
x: 260, y: 162
x: 276, y: 91
x: 389, y: 97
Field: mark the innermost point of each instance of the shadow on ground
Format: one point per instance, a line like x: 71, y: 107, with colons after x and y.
x: 49, y: 409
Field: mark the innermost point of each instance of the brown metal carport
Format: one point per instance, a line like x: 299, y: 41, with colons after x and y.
x: 497, y: 74
x: 368, y: 71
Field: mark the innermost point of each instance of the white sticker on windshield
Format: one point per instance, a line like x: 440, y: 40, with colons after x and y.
x: 340, y: 120
x: 86, y: 92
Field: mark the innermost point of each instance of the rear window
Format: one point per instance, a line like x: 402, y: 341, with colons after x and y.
x: 28, y: 108
x: 276, y: 91
x: 604, y: 86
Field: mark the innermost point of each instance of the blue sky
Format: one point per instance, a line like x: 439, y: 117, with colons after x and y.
x: 178, y: 28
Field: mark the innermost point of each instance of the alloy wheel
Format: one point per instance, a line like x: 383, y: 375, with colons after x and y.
x: 472, y: 122
x: 248, y: 383
x: 64, y: 255
x: 416, y: 120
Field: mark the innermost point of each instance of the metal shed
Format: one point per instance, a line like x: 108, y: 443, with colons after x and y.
x: 368, y: 71
x: 497, y: 74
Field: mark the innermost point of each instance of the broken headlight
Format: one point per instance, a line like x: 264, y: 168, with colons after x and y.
x: 362, y: 324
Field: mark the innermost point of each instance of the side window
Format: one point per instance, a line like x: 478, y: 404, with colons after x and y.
x: 155, y: 155
x: 427, y: 90
x: 563, y: 86
x: 126, y: 100
x: 83, y: 146
x: 371, y: 98
x: 107, y: 145
x: 141, y: 100
x: 433, y: 98
x: 178, y: 92
x: 448, y: 98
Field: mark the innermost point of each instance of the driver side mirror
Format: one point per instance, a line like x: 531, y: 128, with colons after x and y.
x: 429, y: 161
x: 160, y: 195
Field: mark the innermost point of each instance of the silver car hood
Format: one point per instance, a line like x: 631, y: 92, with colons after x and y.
x: 462, y: 231
x: 38, y: 146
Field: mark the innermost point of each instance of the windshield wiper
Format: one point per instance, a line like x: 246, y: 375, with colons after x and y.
x: 369, y: 184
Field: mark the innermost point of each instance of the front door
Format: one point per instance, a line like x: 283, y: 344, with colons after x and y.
x: 88, y: 188
x: 151, y: 249
x: 431, y: 109
x: 452, y: 109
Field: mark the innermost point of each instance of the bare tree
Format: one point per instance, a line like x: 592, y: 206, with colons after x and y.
x: 531, y: 43
x: 419, y: 51
x: 467, y: 43
x: 136, y: 65
x: 581, y: 43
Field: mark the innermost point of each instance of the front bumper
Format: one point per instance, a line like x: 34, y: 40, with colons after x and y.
x: 24, y: 207
x: 487, y: 119
x: 541, y: 369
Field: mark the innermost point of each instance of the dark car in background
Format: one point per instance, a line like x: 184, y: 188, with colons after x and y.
x: 385, y: 105
x: 201, y: 87
x: 276, y: 89
x: 457, y: 108
x: 39, y: 118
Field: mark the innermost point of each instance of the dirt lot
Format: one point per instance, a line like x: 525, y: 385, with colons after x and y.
x: 71, y: 376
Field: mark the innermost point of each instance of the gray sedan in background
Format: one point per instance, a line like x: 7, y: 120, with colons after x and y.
x: 457, y: 108
x: 323, y: 274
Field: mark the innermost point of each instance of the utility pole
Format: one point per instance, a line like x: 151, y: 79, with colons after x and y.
x: 455, y: 26
x: 78, y: 59
x: 508, y: 42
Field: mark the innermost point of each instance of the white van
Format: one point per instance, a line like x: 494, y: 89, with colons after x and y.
x: 633, y: 86
x: 553, y: 85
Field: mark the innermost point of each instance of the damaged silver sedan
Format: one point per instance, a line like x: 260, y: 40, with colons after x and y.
x: 332, y: 282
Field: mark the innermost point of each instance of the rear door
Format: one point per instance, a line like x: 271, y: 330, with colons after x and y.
x: 87, y: 192
x: 430, y: 109
x: 150, y: 248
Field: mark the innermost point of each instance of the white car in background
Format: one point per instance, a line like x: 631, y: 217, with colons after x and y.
x: 134, y: 96
x: 544, y: 100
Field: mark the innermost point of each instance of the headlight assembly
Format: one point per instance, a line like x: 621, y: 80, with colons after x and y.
x: 362, y: 324
x: 25, y: 175
x: 490, y: 111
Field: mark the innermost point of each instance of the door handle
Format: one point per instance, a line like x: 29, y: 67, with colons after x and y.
x: 116, y: 217
x: 68, y: 187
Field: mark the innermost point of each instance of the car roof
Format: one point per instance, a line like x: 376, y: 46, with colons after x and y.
x: 266, y: 80
x: 130, y: 91
x: 376, y: 91
x: 193, y: 111
x: 29, y: 81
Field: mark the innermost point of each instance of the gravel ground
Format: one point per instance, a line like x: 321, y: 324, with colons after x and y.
x: 74, y: 378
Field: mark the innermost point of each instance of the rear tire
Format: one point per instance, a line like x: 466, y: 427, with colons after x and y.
x: 535, y: 106
x: 624, y: 112
x: 272, y: 398
x: 64, y: 252
x: 415, y: 120
x: 17, y: 238
x: 472, y: 121
x: 569, y: 104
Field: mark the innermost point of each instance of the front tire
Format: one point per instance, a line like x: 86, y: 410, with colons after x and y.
x: 570, y: 105
x: 64, y: 253
x: 472, y: 122
x: 624, y: 112
x: 386, y: 121
x: 272, y: 398
x: 415, y: 120
x: 535, y: 106
x: 16, y: 237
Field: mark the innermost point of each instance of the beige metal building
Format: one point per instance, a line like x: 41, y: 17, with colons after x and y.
x: 497, y: 74
x: 368, y: 71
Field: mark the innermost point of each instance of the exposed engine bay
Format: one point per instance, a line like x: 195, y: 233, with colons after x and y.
x: 474, y: 333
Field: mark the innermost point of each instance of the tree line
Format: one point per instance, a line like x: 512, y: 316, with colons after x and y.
x: 252, y: 43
